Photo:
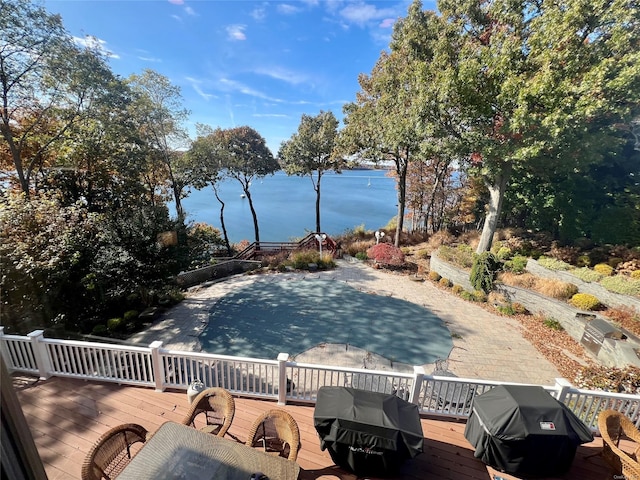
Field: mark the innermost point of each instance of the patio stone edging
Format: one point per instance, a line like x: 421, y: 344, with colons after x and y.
x: 613, y: 353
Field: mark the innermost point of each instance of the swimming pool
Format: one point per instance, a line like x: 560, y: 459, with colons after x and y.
x: 266, y: 318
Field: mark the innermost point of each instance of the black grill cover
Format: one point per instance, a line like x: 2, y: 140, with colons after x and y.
x: 366, y: 432
x: 523, y: 430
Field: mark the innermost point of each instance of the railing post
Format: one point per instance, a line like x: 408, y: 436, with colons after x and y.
x: 418, y: 377
x: 40, y: 353
x: 5, y: 352
x: 562, y: 388
x: 283, y: 358
x: 158, y: 367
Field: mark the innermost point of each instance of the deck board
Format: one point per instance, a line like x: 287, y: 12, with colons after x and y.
x: 66, y: 416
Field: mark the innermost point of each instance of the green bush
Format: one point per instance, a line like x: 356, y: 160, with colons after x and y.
x: 506, y: 310
x: 504, y: 253
x: 445, y: 282
x: 301, y: 260
x: 518, y: 264
x: 423, y: 254
x: 603, y: 269
x: 621, y: 284
x: 99, y: 330
x: 131, y: 315
x: 553, y: 324
x: 585, y: 301
x: 587, y: 275
x: 457, y: 289
x: 553, y: 264
x: 484, y: 270
x: 361, y: 255
x: 635, y: 275
x: 115, y: 324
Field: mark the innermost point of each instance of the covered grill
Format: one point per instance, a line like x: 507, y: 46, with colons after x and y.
x: 369, y: 433
x: 522, y: 430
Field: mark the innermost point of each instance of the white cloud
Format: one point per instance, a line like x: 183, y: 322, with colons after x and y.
x: 287, y: 9
x: 236, y: 32
x: 231, y: 85
x: 270, y: 115
x: 190, y: 11
x: 177, y: 2
x: 282, y: 74
x: 195, y: 84
x: 362, y: 13
x: 259, y: 14
x: 150, y: 59
x: 387, y: 23
x: 95, y: 43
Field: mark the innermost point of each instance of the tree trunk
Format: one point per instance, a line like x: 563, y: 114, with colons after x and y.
x: 317, y: 189
x: 401, y: 169
x: 497, y: 187
x: 222, y: 225
x: 255, y: 217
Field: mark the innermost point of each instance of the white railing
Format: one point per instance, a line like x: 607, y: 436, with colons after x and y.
x: 279, y: 379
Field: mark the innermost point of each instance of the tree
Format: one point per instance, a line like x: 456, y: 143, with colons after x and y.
x: 243, y: 155
x: 310, y: 152
x: 46, y: 85
x: 538, y: 81
x: 205, y: 168
x: 159, y: 109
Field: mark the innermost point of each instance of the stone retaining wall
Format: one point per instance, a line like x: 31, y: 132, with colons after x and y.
x: 219, y: 270
x: 613, y: 353
x: 605, y: 296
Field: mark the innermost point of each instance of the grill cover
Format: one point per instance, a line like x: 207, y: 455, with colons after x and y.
x: 369, y: 433
x: 523, y: 430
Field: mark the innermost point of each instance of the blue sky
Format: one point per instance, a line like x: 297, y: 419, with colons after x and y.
x: 243, y: 62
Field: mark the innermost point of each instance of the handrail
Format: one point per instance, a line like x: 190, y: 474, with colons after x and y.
x: 282, y: 380
x: 305, y: 242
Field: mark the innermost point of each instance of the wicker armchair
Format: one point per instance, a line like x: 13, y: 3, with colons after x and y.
x: 276, y: 431
x: 212, y: 411
x: 614, y: 426
x: 112, y: 452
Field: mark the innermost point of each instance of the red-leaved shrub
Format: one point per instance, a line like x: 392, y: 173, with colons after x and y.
x: 386, y: 254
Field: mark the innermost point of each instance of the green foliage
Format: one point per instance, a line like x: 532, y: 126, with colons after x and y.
x: 517, y: 264
x: 484, y: 270
x: 586, y: 274
x: 553, y: 264
x: 100, y: 330
x: 115, y: 324
x: 585, y: 301
x: 130, y: 315
x: 635, y: 275
x: 553, y: 324
x: 475, y: 296
x: 603, y: 269
x: 462, y: 255
x: 622, y: 285
x: 361, y: 255
x: 301, y: 260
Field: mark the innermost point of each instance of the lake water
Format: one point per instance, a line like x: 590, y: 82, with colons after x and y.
x: 285, y: 205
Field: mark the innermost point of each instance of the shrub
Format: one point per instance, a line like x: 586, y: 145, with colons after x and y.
x: 603, y: 269
x: 483, y: 272
x: 556, y: 288
x: 438, y: 239
x: 99, y: 330
x: 467, y: 296
x: 553, y: 324
x: 457, y: 289
x: 479, y: 296
x: 568, y: 254
x: 621, y: 284
x: 386, y: 254
x: 519, y: 309
x: 434, y: 276
x: 115, y: 324
x: 585, y: 301
x: 423, y: 254
x: 462, y: 255
x: 504, y: 253
x: 506, y: 310
x: 131, y: 315
x: 554, y: 264
x: 525, y: 280
x: 635, y: 274
x: 361, y: 256
x: 587, y: 275
x: 359, y: 246
x: 610, y: 379
x: 445, y: 282
x: 301, y: 259
x: 517, y: 264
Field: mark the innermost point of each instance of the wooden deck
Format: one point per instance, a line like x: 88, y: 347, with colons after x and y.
x: 67, y: 416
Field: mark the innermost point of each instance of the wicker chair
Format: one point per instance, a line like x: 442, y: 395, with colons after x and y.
x: 614, y: 426
x: 214, y: 409
x: 276, y: 431
x: 112, y: 452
